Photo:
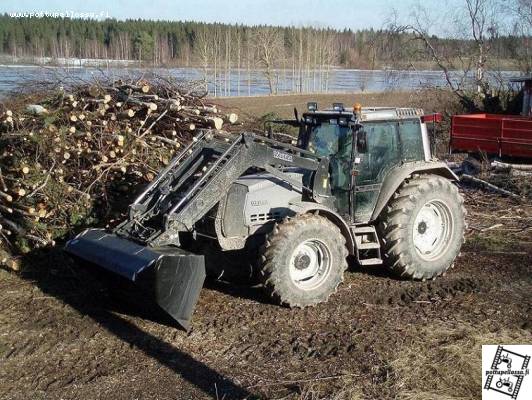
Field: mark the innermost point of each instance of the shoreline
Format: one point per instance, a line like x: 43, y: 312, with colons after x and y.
x: 116, y: 64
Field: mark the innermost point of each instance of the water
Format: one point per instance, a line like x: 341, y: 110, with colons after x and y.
x: 244, y: 83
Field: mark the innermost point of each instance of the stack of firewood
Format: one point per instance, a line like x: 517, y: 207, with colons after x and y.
x: 81, y: 154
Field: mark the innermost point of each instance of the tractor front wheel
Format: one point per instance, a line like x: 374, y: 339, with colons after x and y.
x: 304, y: 259
x: 422, y: 229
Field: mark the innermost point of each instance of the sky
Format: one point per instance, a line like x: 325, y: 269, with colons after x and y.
x: 340, y: 14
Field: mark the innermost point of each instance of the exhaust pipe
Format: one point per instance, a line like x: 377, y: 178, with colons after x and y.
x: 173, y: 276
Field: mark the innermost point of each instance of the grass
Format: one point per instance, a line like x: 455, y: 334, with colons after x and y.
x: 444, y: 361
x: 497, y: 241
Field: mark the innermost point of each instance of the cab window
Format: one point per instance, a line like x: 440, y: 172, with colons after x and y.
x: 329, y: 139
x: 382, y: 151
x: 411, y: 140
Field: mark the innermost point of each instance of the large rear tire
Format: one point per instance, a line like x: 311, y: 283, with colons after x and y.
x: 422, y: 229
x: 303, y: 260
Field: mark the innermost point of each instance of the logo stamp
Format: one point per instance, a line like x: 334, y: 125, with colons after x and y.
x: 505, y: 372
x: 283, y: 156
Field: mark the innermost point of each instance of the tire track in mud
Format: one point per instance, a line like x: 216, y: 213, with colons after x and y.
x: 346, y: 337
x: 428, y: 292
x: 49, y: 345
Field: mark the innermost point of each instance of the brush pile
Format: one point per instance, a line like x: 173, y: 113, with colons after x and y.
x: 80, y: 155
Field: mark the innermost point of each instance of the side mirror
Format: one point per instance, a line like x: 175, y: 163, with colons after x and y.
x: 362, y: 143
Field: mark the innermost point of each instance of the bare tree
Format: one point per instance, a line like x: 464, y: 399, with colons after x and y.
x: 476, y: 22
x: 330, y: 55
x: 204, y: 52
x: 522, y: 53
x: 249, y: 58
x: 483, y: 30
x: 269, y: 45
x: 238, y: 58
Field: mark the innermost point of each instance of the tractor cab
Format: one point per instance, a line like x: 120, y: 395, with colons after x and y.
x: 363, y: 145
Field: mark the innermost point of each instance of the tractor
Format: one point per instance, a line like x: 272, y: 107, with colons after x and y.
x: 357, y: 184
x: 505, y: 382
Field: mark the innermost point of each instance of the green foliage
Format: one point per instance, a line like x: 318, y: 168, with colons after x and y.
x: 22, y: 245
x: 144, y: 45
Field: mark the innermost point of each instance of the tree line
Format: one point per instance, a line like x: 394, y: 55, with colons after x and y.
x: 307, y: 54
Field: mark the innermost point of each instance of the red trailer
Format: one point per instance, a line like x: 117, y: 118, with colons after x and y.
x: 499, y: 135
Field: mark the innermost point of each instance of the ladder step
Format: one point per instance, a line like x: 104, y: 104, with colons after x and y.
x: 363, y: 229
x: 368, y: 246
x: 370, y: 261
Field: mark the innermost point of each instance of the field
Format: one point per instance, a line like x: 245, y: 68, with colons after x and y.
x: 66, y: 333
x: 284, y: 105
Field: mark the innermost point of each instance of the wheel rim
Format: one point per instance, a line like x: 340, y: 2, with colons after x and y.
x: 432, y: 229
x: 310, y: 264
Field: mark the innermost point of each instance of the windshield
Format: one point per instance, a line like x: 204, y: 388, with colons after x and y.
x: 329, y: 139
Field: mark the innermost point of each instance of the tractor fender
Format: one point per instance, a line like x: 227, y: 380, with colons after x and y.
x: 397, y: 176
x: 303, y: 207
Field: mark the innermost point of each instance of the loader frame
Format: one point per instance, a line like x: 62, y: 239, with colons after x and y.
x: 196, y: 180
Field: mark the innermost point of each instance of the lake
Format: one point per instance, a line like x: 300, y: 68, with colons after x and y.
x: 242, y: 82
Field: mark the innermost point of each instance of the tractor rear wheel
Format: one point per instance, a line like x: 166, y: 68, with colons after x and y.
x: 422, y: 229
x: 303, y: 260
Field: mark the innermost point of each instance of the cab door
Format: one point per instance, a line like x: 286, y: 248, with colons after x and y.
x: 377, y: 152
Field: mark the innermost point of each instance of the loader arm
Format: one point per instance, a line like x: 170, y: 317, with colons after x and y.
x: 200, y: 176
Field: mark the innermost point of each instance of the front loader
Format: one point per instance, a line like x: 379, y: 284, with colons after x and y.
x: 360, y: 183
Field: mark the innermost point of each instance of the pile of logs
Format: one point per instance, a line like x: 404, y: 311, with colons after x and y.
x: 81, y: 154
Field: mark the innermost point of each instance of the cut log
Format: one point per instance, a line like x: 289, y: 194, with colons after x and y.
x: 169, y: 141
x: 216, y: 122
x: 10, y: 262
x: 520, y: 167
x: 7, y: 210
x: 6, y: 197
x: 232, y: 118
x: 126, y: 114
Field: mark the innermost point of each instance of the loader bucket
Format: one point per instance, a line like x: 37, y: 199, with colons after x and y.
x: 174, y: 277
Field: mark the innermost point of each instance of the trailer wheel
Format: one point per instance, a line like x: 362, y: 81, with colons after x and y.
x: 422, y: 229
x: 303, y: 260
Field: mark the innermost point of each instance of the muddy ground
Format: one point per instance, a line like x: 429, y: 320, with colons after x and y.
x: 66, y: 333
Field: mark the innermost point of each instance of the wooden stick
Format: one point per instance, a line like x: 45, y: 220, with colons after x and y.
x: 521, y: 167
x: 6, y: 196
x: 2, y: 182
x: 469, y: 178
x: 5, y: 209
